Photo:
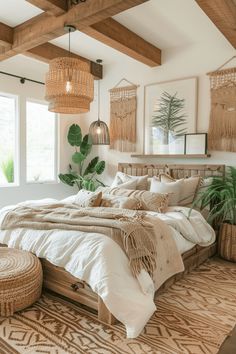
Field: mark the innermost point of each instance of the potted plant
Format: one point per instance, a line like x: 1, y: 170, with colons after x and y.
x: 8, y: 169
x: 221, y: 197
x: 79, y: 175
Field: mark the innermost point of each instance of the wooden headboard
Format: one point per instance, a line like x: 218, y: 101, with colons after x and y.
x: 175, y: 170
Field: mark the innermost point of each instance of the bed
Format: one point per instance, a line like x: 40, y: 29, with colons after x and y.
x: 64, y: 283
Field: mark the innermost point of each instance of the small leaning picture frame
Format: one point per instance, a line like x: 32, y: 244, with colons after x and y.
x: 195, y: 144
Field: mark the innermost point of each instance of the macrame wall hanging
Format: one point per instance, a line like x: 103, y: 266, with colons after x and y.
x: 222, y: 127
x: 123, y: 107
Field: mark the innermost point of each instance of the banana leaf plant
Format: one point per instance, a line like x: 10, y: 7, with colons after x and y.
x: 79, y: 175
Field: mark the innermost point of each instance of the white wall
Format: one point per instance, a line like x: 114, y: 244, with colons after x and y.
x: 193, y: 60
x: 26, y: 67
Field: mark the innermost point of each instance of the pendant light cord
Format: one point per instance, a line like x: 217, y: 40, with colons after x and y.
x: 98, y: 100
x: 69, y: 40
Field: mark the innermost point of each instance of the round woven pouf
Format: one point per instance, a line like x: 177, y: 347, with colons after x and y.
x: 21, y: 279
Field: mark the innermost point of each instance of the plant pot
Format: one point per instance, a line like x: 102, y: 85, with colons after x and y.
x: 227, y: 242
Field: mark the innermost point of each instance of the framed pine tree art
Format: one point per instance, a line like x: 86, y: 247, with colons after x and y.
x: 170, y: 113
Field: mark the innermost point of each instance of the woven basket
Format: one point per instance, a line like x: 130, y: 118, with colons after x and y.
x: 21, y: 280
x: 227, y: 242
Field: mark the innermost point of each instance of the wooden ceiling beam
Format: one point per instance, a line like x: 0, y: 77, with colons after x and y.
x: 119, y: 37
x: 37, y: 32
x: 53, y: 7
x: 47, y: 51
x: 223, y: 14
x: 6, y: 35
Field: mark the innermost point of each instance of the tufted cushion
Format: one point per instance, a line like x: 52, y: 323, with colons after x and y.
x: 121, y: 202
x: 148, y: 201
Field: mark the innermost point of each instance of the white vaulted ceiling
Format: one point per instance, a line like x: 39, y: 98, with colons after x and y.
x: 15, y: 12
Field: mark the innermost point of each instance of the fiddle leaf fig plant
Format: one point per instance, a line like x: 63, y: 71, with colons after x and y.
x: 82, y: 177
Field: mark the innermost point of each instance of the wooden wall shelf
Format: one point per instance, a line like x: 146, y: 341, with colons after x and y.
x: 179, y: 156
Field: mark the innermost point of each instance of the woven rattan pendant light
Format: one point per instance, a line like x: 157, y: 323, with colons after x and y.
x: 69, y: 84
x: 98, y: 130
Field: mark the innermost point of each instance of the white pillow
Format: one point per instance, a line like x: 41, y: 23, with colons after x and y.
x: 120, y: 178
x: 88, y: 199
x: 189, y: 189
x: 131, y: 184
x: 172, y: 188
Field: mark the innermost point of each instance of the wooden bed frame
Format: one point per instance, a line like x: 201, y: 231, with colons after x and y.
x: 63, y: 283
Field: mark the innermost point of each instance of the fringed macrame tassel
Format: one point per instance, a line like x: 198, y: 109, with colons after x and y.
x: 123, y: 119
x: 140, y: 258
x: 222, y: 127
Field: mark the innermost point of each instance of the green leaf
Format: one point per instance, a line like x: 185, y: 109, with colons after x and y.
x: 67, y: 178
x: 91, y: 166
x: 100, y: 167
x: 86, y: 145
x: 74, y: 135
x: 77, y: 157
x: 8, y: 169
x: 89, y: 185
x: 221, y: 197
x: 169, y: 114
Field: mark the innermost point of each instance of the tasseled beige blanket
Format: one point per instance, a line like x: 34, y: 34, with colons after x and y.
x: 132, y: 230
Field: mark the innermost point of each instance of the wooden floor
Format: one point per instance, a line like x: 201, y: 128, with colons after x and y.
x: 229, y: 346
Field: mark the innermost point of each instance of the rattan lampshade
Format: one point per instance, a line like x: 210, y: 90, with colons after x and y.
x: 69, y: 86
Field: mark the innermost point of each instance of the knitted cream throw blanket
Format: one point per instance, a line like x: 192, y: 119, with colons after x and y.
x: 134, y: 231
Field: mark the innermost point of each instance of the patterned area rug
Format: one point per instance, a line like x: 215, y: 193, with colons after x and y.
x: 193, y: 316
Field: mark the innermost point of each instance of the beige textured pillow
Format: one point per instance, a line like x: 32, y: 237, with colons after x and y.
x: 88, y: 199
x: 121, y: 202
x: 147, y: 201
x: 189, y: 188
x: 172, y: 188
x: 120, y: 178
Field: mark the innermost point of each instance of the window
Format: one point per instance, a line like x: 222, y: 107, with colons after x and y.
x: 8, y: 139
x: 41, y: 143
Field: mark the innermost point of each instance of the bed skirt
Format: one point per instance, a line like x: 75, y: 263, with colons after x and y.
x: 63, y: 283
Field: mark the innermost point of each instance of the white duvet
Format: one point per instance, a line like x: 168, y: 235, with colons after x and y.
x: 100, y: 262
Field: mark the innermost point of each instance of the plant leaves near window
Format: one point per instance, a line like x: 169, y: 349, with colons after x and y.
x: 80, y: 176
x: 78, y: 157
x: 8, y: 169
x: 86, y: 145
x: 89, y: 185
x: 67, y: 178
x: 91, y: 166
x: 74, y: 135
x: 100, y: 167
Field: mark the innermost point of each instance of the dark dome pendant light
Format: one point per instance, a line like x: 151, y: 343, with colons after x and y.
x: 98, y: 129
